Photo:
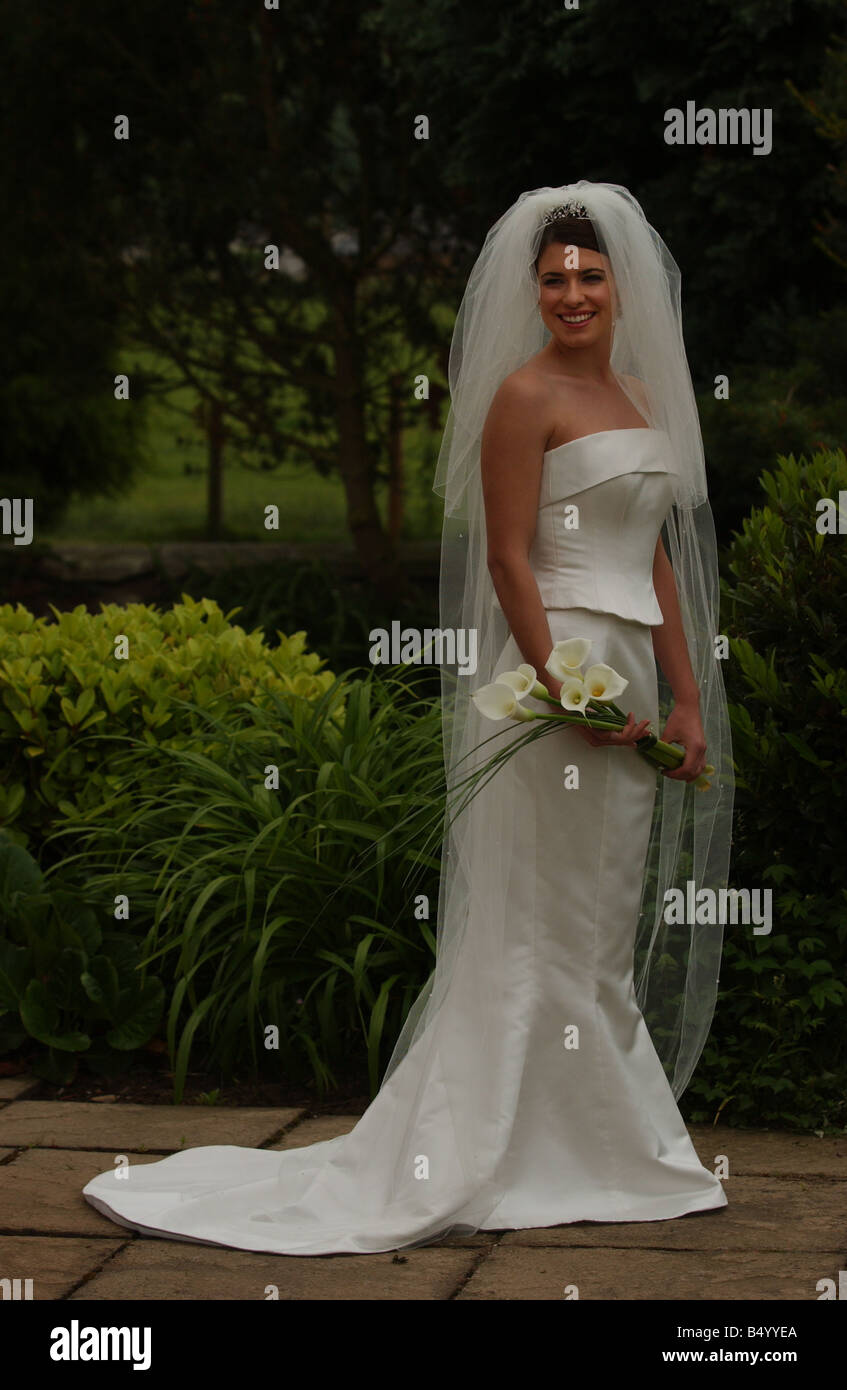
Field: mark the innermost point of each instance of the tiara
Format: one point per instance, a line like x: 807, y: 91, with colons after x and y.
x: 570, y: 209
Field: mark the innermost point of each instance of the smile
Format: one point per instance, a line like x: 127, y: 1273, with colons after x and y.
x: 574, y: 320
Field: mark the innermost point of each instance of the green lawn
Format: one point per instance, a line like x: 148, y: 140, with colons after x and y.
x: 167, y: 500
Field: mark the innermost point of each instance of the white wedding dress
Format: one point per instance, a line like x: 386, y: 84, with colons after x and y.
x: 585, y: 1133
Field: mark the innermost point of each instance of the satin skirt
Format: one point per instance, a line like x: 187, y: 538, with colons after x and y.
x: 547, y: 1076
x: 597, y: 1134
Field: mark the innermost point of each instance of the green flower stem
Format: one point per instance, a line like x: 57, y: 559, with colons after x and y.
x: 612, y: 719
x: 585, y: 720
x: 546, y: 696
x: 466, y: 787
x: 658, y: 753
x: 606, y: 715
x: 665, y: 753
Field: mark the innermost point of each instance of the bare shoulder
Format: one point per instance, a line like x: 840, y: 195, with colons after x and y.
x: 521, y: 408
x: 525, y: 386
x: 638, y: 390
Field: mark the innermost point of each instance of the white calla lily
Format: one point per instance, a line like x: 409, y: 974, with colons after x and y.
x: 522, y: 680
x: 604, y: 683
x: 499, y: 701
x: 575, y: 694
x: 567, y: 656
x: 601, y: 684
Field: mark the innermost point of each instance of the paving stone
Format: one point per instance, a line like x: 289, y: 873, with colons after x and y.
x: 11, y: 1087
x: 164, y: 1269
x: 522, y: 1273
x: 762, y: 1151
x: 784, y: 1230
x: 763, y: 1214
x: 55, y: 1265
x: 143, y: 1128
x: 315, y: 1130
x: 41, y: 1191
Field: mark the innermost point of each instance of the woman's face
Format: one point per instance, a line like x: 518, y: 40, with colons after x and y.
x: 577, y: 298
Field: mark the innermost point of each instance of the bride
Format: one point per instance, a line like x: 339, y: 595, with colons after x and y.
x: 536, y: 1078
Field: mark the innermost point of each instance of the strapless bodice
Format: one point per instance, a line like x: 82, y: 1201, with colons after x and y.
x: 602, y: 502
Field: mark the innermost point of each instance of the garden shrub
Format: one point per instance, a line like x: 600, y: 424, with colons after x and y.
x: 273, y: 884
x: 68, y: 699
x: 778, y: 1048
x: 67, y: 989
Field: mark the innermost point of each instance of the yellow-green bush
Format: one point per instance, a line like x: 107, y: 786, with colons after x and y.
x: 68, y: 693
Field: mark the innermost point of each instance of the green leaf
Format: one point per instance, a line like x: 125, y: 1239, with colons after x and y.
x: 15, y: 974
x: 20, y: 876
x: 375, y: 1027
x: 144, y: 1010
x: 40, y: 1017
x: 100, y: 983
x: 54, y: 1066
x: 184, y: 1050
x: 800, y: 746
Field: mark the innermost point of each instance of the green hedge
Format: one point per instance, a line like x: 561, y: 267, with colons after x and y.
x: 68, y: 697
x: 778, y: 1049
x: 72, y: 981
x: 270, y: 881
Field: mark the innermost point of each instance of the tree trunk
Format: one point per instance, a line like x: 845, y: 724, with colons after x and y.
x: 396, y: 489
x: 373, y: 545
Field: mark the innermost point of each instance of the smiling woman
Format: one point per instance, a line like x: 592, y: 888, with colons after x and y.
x: 577, y: 286
x: 570, y: 384
x: 527, y: 1088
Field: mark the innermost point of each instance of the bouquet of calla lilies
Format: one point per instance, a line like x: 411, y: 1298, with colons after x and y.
x: 586, y: 699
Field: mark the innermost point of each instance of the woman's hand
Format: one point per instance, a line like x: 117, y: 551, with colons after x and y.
x: 600, y: 738
x: 685, y: 726
x: 627, y: 736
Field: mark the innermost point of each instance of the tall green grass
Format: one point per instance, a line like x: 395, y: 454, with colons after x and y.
x: 292, y: 907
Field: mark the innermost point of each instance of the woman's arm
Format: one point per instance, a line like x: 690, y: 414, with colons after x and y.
x: 671, y: 651
x: 512, y: 456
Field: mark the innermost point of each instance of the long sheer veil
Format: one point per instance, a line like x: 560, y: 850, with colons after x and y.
x: 677, y: 965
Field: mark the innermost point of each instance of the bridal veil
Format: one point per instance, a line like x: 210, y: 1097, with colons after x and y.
x: 497, y: 330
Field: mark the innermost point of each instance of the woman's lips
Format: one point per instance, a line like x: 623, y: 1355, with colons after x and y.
x: 582, y: 324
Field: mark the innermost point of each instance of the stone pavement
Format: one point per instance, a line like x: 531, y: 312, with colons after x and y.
x: 785, y: 1227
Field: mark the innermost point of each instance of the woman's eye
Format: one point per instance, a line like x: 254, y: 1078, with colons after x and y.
x: 589, y: 275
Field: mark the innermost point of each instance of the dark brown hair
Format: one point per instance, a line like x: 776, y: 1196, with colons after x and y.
x: 570, y: 231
